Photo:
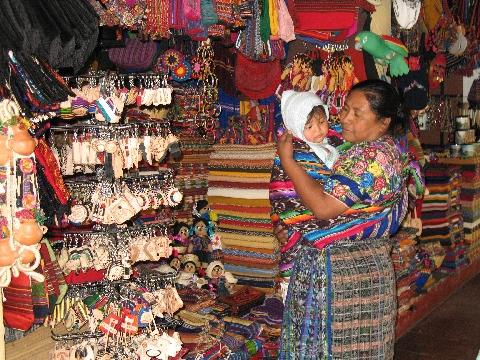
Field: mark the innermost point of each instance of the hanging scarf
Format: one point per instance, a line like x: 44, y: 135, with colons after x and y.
x: 47, y: 160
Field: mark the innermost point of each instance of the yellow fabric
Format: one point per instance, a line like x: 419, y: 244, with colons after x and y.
x: 259, y: 175
x: 229, y: 243
x: 273, y: 15
x: 381, y: 23
x: 432, y: 12
x: 244, y: 214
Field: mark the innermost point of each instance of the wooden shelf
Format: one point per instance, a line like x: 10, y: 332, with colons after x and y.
x: 427, y: 302
x: 459, y: 160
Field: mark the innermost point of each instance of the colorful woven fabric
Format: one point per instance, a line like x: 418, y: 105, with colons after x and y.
x: 287, y: 207
x: 347, y: 312
x: 369, y: 179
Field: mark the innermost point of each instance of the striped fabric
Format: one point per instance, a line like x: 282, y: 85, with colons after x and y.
x: 287, y: 208
x: 239, y: 177
x: 347, y: 312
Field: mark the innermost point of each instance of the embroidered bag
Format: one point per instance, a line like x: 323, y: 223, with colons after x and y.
x: 135, y: 56
x: 325, y: 19
x: 256, y: 80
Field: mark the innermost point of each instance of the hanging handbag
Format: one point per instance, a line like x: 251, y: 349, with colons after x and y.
x: 325, y: 19
x: 474, y: 94
x: 256, y: 80
x: 135, y: 56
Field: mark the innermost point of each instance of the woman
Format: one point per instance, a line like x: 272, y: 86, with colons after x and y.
x: 341, y: 298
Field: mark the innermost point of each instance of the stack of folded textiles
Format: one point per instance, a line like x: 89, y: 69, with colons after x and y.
x: 442, y: 217
x: 238, y: 179
x: 470, y: 200
x: 191, y: 174
x: 406, y: 266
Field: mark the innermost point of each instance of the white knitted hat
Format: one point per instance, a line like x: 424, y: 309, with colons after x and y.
x: 296, y: 106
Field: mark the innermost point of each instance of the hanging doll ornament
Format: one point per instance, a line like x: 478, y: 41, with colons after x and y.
x: 386, y: 50
x: 297, y: 75
x: 180, y: 237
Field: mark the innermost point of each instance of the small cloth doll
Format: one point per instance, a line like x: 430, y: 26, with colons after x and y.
x: 215, y: 239
x: 200, y: 244
x: 201, y: 210
x: 180, y: 239
x: 215, y: 273
x: 188, y: 274
x: 175, y: 263
x: 226, y: 284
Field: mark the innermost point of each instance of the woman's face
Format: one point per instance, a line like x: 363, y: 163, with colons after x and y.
x: 359, y: 122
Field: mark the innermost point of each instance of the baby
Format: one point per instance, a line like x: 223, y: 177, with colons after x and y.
x: 314, y: 148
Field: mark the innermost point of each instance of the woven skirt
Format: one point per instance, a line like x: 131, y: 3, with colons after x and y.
x: 341, y: 303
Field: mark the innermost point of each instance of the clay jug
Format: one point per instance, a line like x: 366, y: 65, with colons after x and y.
x: 29, y: 232
x: 7, y: 254
x: 22, y: 143
x: 5, y: 152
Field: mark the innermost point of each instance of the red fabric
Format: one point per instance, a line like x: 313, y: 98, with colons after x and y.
x: 318, y: 18
x: 90, y: 275
x: 45, y: 157
x: 18, y: 306
x: 256, y: 80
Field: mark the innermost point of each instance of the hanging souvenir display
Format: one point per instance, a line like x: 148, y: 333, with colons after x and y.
x: 20, y: 215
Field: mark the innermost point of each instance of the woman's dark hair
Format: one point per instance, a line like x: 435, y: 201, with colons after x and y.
x: 385, y: 102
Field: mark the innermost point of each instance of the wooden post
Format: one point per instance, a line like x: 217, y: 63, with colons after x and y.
x: 2, y: 328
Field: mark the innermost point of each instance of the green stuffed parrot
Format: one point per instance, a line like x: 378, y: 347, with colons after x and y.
x: 386, y: 50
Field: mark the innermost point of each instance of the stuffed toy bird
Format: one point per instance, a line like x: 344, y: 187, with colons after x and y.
x: 385, y: 49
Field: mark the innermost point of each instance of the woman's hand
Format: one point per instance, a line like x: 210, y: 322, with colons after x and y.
x: 285, y: 147
x: 281, y: 234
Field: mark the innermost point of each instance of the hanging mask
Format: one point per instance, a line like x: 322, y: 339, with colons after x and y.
x: 436, y: 71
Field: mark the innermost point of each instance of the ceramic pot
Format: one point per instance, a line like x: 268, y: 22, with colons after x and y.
x: 29, y: 232
x: 7, y: 254
x: 22, y: 143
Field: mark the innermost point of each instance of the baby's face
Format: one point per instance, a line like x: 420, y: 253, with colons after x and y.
x: 316, y: 128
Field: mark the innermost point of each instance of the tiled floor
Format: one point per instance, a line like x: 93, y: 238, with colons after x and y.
x: 450, y: 332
